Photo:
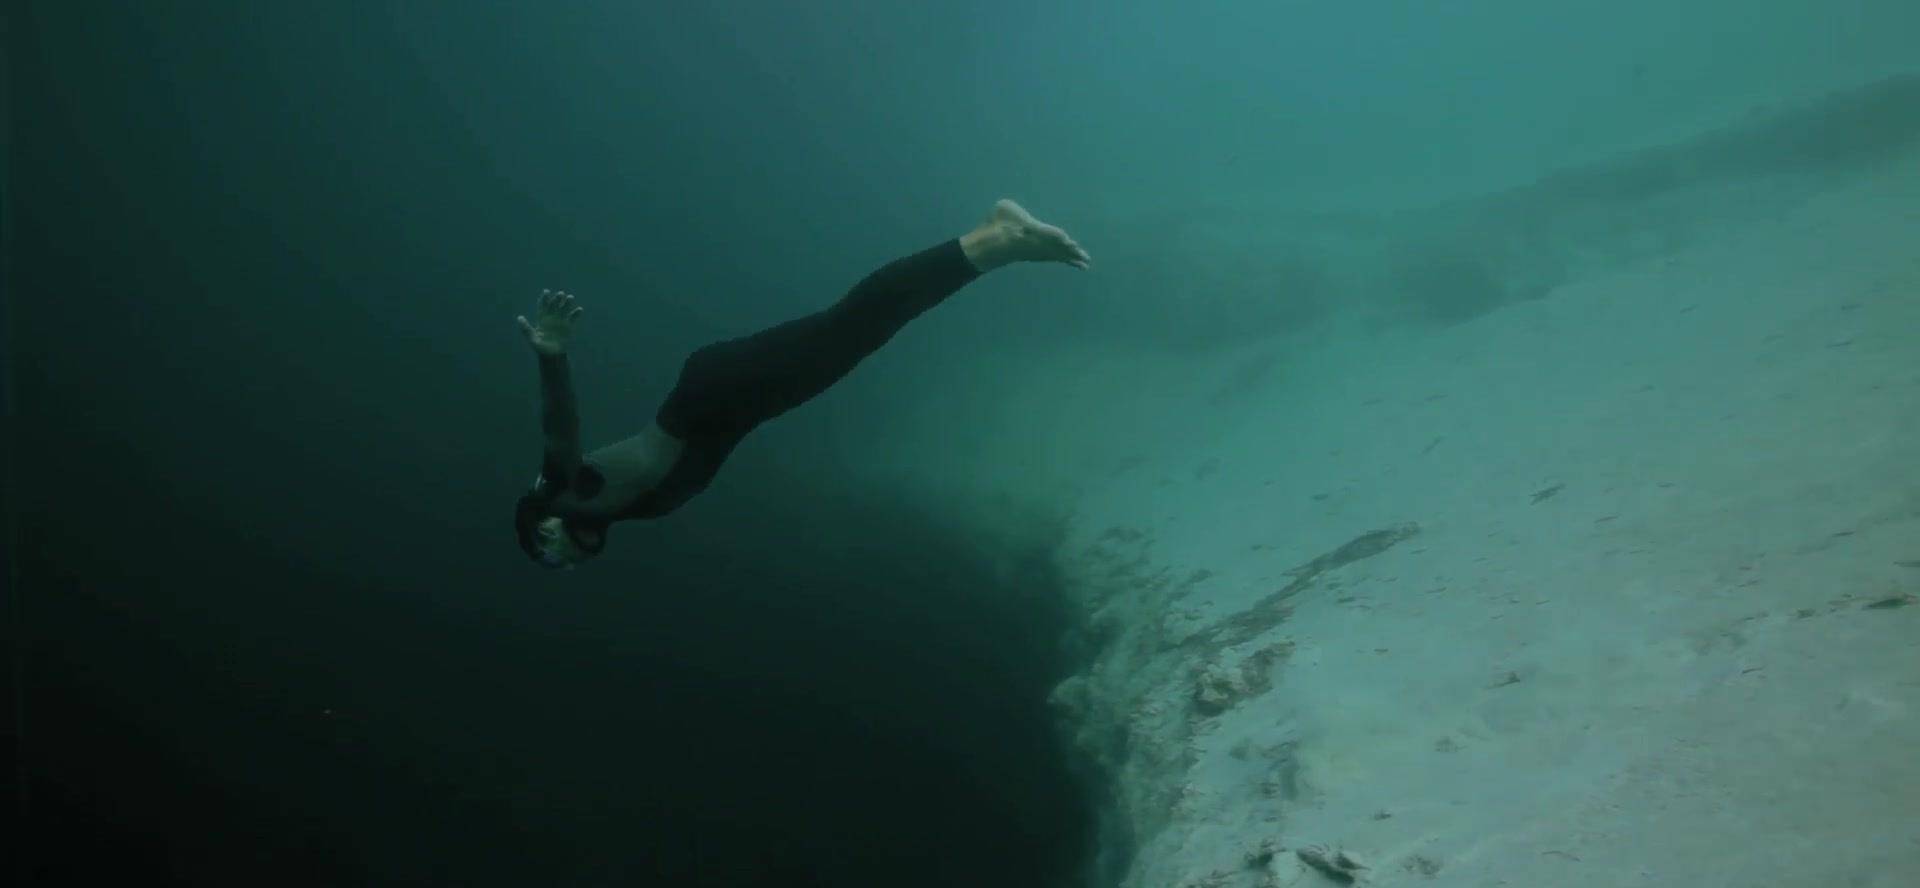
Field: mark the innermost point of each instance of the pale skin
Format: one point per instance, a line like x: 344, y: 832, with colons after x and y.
x: 632, y: 466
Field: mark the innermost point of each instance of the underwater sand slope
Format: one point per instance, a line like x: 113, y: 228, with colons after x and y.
x: 1610, y: 585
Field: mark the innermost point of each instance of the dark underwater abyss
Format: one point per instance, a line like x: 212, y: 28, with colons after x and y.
x: 271, y: 419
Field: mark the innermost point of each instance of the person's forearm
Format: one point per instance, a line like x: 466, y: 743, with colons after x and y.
x: 559, y: 416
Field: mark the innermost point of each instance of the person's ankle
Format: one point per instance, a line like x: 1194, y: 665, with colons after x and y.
x: 985, y: 247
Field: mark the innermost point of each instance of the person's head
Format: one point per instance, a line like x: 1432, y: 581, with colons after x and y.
x: 552, y: 541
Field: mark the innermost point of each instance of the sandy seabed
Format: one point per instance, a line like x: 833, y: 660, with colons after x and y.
x: 1613, y: 587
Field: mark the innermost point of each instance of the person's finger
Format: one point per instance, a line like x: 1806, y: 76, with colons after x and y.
x: 523, y: 323
x: 576, y: 313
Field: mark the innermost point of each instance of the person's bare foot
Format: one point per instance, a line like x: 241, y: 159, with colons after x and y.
x: 1010, y: 234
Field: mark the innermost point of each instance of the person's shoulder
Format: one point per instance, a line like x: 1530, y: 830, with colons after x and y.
x: 639, y: 460
x: 588, y: 481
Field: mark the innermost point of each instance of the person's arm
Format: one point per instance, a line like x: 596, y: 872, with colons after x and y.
x: 559, y: 414
x: 614, y: 474
x: 559, y: 421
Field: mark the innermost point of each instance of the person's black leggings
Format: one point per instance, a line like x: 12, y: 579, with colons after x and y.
x: 727, y: 388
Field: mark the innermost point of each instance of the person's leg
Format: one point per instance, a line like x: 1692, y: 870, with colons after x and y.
x: 734, y: 385
x: 731, y: 386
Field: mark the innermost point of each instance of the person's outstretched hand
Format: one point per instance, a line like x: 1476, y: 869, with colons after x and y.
x: 548, y: 334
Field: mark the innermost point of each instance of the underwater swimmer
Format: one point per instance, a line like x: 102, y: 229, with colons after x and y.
x: 728, y: 388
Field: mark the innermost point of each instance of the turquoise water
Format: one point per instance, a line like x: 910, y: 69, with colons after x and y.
x: 269, y: 408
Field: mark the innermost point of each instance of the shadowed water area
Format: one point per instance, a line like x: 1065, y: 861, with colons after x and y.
x: 271, y: 416
x: 1440, y: 382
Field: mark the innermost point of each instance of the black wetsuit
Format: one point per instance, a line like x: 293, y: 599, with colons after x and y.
x: 728, y: 388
